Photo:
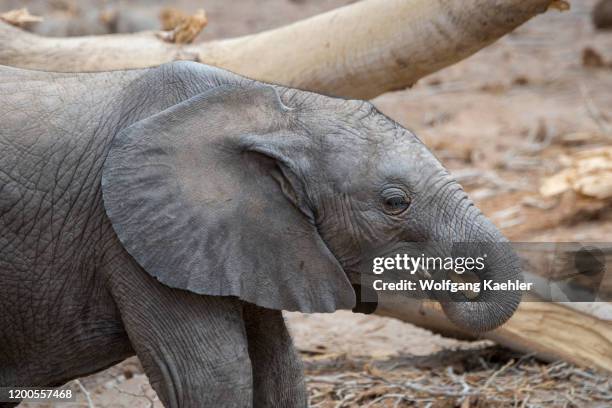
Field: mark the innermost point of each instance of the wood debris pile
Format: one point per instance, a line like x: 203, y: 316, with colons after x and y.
x: 489, y: 377
x: 19, y: 17
x: 561, y: 5
x: 587, y: 172
x: 179, y: 27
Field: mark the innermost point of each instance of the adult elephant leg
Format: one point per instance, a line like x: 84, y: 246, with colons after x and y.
x: 193, y: 348
x: 278, y: 377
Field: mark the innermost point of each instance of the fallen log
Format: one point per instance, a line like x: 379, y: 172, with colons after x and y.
x: 358, y: 51
x: 551, y: 331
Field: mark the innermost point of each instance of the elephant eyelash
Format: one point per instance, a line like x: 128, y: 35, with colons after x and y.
x: 395, y: 201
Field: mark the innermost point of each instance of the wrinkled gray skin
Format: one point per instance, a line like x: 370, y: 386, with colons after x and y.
x: 79, y: 209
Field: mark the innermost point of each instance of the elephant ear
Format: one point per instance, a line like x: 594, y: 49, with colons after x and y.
x: 206, y: 198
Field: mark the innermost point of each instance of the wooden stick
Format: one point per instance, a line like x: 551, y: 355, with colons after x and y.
x: 358, y: 51
x: 550, y: 330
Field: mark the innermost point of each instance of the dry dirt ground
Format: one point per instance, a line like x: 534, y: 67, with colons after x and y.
x: 502, y: 120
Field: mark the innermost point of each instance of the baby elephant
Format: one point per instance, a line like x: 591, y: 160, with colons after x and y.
x: 173, y: 212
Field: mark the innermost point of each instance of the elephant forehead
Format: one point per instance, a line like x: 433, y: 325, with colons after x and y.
x: 408, y: 155
x: 407, y: 161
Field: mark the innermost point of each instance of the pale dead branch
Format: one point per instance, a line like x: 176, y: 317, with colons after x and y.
x: 552, y: 331
x: 84, y: 390
x: 361, y: 50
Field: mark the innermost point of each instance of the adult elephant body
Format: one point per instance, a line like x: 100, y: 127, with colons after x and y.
x: 173, y: 212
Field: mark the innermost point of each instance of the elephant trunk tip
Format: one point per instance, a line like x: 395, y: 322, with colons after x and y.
x: 482, y: 316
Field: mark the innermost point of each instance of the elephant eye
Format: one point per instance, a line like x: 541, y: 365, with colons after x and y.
x: 395, y: 201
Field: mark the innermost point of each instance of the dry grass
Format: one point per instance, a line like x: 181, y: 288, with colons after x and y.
x: 488, y: 377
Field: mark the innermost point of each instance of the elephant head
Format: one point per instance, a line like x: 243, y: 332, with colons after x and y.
x: 274, y: 195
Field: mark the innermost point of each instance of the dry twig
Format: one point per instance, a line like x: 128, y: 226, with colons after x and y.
x: 142, y: 395
x: 479, y: 378
x: 90, y: 403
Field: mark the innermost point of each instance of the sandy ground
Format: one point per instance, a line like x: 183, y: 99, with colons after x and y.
x: 501, y: 120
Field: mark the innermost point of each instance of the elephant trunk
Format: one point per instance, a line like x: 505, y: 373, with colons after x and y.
x: 475, y: 236
x: 489, y: 309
